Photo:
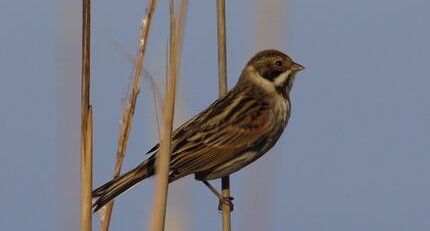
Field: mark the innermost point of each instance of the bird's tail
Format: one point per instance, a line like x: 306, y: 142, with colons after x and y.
x: 112, y: 189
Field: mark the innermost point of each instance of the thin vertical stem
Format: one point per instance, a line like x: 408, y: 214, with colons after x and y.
x: 183, y: 7
x: 163, y: 156
x: 86, y: 121
x: 86, y: 174
x: 222, y: 64
x: 222, y: 57
x: 128, y: 112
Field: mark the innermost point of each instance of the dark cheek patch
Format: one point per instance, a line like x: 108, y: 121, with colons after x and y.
x: 270, y: 74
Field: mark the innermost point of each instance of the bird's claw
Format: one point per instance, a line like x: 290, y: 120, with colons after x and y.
x: 225, y: 201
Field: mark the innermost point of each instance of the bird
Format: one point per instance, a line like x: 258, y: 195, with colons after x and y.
x: 234, y: 131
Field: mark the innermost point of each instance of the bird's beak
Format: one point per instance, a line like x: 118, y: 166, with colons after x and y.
x: 297, y: 67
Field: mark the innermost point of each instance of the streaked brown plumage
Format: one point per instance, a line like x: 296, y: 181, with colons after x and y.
x: 231, y: 133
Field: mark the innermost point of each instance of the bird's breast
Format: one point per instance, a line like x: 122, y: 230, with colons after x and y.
x: 281, y: 110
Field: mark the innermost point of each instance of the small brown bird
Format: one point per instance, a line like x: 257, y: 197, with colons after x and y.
x: 234, y: 131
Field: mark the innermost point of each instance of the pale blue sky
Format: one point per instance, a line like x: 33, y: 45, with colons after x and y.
x: 355, y: 155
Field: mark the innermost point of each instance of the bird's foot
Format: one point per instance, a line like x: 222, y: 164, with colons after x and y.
x: 226, y: 201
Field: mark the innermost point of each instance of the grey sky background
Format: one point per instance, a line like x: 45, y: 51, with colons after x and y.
x: 355, y: 155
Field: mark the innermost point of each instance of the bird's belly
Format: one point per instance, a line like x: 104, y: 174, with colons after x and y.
x: 228, y: 167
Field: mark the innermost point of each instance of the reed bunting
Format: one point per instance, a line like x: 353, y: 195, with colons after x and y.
x: 233, y: 132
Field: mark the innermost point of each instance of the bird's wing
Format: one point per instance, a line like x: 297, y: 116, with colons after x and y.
x: 190, y: 127
x: 230, y: 125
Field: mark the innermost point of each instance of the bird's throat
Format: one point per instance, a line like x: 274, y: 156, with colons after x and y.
x: 282, y: 78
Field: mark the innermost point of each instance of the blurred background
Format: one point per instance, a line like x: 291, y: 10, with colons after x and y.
x: 355, y: 155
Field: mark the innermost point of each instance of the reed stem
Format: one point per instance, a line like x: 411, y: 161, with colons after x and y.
x: 163, y: 155
x: 86, y: 121
x: 222, y: 65
x: 128, y: 111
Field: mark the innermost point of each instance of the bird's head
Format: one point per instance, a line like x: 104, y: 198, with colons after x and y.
x: 272, y: 70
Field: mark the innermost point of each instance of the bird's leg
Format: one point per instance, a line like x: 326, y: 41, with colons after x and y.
x: 222, y: 199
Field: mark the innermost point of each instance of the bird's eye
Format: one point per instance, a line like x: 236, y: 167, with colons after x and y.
x: 278, y: 63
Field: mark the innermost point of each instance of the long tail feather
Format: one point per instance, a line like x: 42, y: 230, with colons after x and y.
x: 112, y: 189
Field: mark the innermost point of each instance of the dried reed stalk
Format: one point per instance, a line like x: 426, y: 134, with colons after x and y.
x: 86, y: 121
x: 128, y: 111
x: 86, y: 173
x: 163, y: 158
x: 222, y: 65
x: 183, y: 7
